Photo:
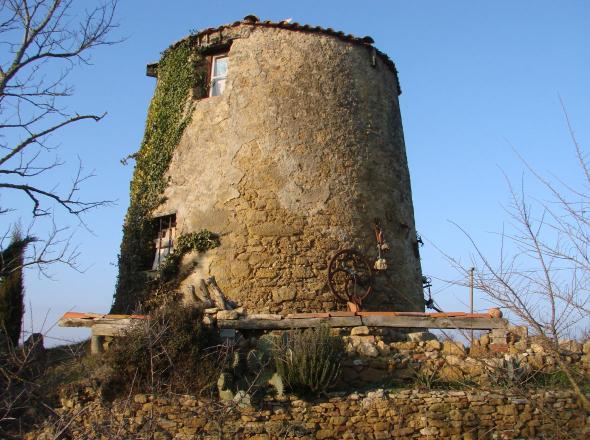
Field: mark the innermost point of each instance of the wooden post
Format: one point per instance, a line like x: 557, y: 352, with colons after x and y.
x: 96, y: 344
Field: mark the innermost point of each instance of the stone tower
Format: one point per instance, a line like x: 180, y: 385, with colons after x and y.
x: 294, y: 146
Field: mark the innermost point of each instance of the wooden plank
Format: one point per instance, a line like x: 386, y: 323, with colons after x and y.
x: 341, y: 314
x: 431, y: 322
x: 252, y: 324
x: 84, y: 322
x: 377, y: 313
x: 109, y: 329
x: 308, y: 315
x: 82, y: 315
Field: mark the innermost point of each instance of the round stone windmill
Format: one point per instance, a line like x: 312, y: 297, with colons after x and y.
x: 293, y: 148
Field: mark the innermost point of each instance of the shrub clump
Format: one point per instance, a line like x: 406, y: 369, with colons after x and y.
x: 309, y: 360
x: 170, y: 351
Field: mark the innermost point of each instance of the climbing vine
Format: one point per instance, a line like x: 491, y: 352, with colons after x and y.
x: 181, y: 71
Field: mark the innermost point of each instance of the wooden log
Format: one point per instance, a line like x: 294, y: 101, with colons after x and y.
x: 434, y: 322
x: 203, y: 294
x: 217, y: 295
x: 262, y: 324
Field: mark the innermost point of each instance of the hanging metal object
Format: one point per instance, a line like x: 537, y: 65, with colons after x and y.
x: 350, y: 276
x: 429, y: 302
x: 382, y: 247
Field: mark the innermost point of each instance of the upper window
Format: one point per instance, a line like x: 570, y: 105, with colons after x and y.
x: 218, y: 74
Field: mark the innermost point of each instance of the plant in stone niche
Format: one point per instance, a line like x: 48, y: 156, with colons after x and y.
x: 427, y: 378
x: 185, y: 243
x: 510, y: 372
x: 309, y: 360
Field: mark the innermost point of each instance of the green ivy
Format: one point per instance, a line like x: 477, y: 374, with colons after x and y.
x: 195, y: 241
x: 180, y: 72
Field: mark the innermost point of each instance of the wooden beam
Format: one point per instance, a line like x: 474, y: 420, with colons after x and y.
x: 261, y: 324
x: 109, y: 329
x: 434, y: 322
x: 114, y: 325
x: 91, y: 322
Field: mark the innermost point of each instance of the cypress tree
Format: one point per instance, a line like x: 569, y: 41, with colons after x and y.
x: 11, y: 286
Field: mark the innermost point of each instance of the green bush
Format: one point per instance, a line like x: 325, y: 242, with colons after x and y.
x: 171, y: 351
x: 309, y: 360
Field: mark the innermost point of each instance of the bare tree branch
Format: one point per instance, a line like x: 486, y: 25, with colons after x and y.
x: 553, y: 238
x: 41, y: 41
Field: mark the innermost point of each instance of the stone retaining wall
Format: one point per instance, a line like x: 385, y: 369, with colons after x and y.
x: 500, y: 357
x: 374, y: 415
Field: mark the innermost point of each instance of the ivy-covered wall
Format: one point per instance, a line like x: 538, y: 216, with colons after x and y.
x: 181, y: 74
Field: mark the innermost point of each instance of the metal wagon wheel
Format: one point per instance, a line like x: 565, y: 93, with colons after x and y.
x: 350, y: 276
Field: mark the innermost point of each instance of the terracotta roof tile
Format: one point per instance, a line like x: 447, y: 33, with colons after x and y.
x: 252, y: 20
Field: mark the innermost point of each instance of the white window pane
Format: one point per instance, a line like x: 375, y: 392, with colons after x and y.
x: 220, y: 68
x: 217, y: 87
x: 161, y: 255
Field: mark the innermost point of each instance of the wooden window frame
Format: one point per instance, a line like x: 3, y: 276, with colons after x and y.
x: 210, y: 68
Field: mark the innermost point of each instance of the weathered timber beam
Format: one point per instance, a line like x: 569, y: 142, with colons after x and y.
x: 431, y: 322
x: 217, y: 295
x: 263, y: 324
x: 85, y: 322
x: 109, y: 329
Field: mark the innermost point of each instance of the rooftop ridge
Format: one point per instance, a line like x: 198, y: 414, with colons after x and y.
x: 252, y: 20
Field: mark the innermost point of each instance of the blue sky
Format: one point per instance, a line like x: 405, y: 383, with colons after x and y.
x: 478, y: 79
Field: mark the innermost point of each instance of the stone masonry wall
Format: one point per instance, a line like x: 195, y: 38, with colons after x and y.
x: 490, y: 391
x: 500, y: 358
x: 376, y: 415
x: 293, y: 162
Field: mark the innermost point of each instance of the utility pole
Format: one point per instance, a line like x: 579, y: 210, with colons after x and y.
x: 471, y: 297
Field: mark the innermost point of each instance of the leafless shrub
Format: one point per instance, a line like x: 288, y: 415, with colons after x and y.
x: 544, y: 281
x: 172, y: 350
x: 21, y: 396
x: 42, y: 41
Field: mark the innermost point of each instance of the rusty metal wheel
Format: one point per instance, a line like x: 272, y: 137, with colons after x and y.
x: 350, y: 276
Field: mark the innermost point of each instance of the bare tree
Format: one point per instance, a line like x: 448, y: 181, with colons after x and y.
x: 41, y: 41
x: 542, y: 274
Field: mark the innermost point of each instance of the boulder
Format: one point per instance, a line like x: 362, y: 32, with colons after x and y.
x: 363, y: 330
x: 452, y: 347
x: 228, y: 314
x: 421, y: 336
